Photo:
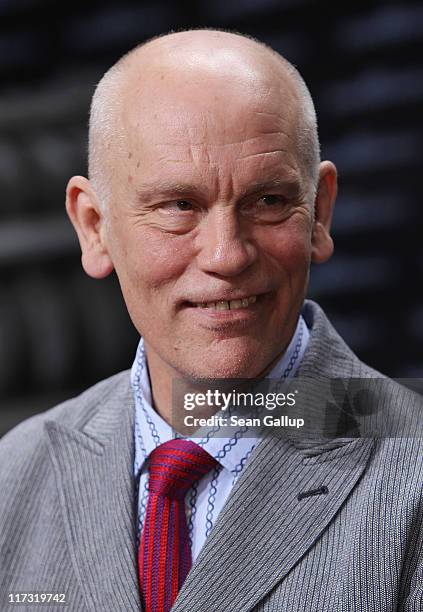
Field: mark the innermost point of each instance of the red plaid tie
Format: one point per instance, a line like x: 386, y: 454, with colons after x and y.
x: 164, y: 557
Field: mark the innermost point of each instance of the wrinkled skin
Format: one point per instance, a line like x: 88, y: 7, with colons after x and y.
x: 209, y: 202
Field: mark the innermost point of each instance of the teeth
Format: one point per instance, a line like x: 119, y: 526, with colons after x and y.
x: 231, y: 305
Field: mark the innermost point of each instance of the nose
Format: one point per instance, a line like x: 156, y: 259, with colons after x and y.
x: 224, y: 247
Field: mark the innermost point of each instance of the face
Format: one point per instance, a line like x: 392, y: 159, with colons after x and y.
x: 211, y: 227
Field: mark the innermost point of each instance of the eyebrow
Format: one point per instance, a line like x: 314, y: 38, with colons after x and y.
x: 261, y: 187
x: 149, y: 191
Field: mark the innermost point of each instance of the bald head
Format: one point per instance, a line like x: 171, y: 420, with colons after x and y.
x: 203, y: 151
x: 209, y: 64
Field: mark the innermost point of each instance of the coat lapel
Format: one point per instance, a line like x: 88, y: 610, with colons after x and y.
x: 94, y: 475
x: 268, y: 524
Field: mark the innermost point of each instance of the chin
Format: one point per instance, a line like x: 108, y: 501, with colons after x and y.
x: 245, y: 365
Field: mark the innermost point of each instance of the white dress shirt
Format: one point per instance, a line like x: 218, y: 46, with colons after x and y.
x: 206, y: 498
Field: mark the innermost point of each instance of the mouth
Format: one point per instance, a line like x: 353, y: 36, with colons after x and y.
x: 228, y: 316
x: 220, y: 305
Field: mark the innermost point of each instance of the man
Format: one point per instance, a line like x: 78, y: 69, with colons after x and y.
x: 208, y: 199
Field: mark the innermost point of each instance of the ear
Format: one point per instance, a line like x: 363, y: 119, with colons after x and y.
x: 85, y: 214
x: 322, y: 243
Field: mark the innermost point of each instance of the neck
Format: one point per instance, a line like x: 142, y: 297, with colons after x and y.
x: 168, y: 387
x: 161, y: 379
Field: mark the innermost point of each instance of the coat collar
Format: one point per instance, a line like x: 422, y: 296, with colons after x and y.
x: 276, y: 512
x: 285, y: 498
x: 94, y: 476
x: 264, y: 529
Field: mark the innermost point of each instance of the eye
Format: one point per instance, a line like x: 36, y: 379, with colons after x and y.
x: 177, y: 216
x: 272, y: 200
x: 183, y: 205
x: 176, y: 207
x: 268, y: 208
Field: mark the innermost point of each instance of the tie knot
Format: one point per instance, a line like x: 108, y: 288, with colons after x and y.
x: 176, y: 465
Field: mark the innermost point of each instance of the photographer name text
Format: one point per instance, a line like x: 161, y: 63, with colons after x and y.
x: 267, y: 420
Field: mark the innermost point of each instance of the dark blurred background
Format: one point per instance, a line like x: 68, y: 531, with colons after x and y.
x: 61, y: 331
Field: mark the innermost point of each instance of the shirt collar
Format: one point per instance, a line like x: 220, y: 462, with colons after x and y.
x: 151, y: 430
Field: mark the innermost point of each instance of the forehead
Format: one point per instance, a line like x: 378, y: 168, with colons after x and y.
x: 195, y: 119
x: 216, y: 115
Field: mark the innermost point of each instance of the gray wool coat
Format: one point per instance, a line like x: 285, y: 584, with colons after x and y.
x: 68, y: 511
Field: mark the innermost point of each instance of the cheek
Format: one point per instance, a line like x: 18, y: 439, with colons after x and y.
x: 152, y: 259
x: 288, y: 248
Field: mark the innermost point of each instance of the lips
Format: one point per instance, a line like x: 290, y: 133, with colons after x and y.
x: 227, y: 304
